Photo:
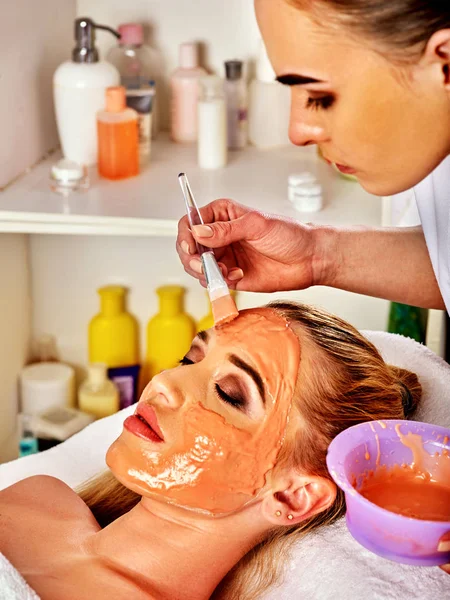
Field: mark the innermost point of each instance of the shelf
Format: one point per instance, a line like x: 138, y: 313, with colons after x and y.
x: 151, y: 204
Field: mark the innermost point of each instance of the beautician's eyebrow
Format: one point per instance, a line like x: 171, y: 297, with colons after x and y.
x: 241, y: 364
x: 292, y: 79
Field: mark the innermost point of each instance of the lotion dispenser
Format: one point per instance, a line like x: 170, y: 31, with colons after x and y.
x: 79, y: 89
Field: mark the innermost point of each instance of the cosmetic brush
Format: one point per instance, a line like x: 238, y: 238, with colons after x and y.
x: 223, y: 306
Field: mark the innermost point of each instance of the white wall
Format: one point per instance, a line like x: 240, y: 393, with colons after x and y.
x: 227, y: 29
x: 14, y: 333
x: 35, y: 36
x: 67, y: 270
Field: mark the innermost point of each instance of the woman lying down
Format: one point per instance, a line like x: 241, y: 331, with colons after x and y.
x: 221, y: 468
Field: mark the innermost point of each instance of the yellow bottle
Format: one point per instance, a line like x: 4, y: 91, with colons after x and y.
x: 113, y: 333
x: 207, y: 322
x: 169, y: 333
x: 98, y: 395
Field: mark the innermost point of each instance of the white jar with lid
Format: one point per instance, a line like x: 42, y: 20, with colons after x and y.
x: 305, y: 192
x: 46, y: 385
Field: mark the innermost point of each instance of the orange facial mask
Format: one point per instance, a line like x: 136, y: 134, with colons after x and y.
x: 215, y: 466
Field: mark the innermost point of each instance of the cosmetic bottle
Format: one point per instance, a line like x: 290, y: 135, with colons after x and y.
x: 236, y: 98
x: 138, y: 65
x: 118, y: 137
x: 79, y: 93
x: 269, y: 106
x: 207, y: 322
x: 98, y: 396
x: 28, y: 443
x: 45, y: 385
x: 169, y: 333
x: 184, y: 88
x: 212, y: 124
x: 113, y: 340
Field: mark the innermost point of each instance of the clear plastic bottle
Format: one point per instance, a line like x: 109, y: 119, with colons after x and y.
x: 98, y: 396
x: 212, y: 124
x: 138, y: 64
x: 269, y: 106
x: 184, y: 87
x: 118, y: 137
x: 236, y: 96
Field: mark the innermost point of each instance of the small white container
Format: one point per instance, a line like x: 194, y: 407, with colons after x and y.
x: 305, y: 192
x: 212, y: 124
x: 60, y: 423
x: 46, y: 385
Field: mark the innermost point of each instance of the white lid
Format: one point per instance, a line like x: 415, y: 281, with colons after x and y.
x: 67, y: 170
x: 308, y: 189
x: 97, y: 374
x: 264, y: 69
x: 302, y: 178
x: 188, y: 55
x: 46, y: 375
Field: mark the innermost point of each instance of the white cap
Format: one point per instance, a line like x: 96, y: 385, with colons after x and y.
x: 97, y: 374
x: 188, y: 55
x: 264, y: 69
x: 302, y: 178
x: 67, y: 170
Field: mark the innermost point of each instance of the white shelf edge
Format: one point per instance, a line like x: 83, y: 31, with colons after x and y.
x: 48, y: 224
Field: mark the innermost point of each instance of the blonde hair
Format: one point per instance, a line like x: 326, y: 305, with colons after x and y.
x: 352, y: 384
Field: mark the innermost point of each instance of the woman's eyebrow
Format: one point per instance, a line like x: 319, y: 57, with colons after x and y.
x: 241, y: 364
x: 203, y: 335
x: 292, y: 79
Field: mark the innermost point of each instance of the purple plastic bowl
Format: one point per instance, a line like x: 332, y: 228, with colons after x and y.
x: 396, y: 537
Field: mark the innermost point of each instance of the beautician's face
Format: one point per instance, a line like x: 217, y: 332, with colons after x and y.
x: 389, y: 125
x: 221, y: 417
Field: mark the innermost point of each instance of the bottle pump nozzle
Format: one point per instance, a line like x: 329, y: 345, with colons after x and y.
x: 85, y: 50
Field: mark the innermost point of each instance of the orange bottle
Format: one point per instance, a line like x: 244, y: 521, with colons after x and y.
x: 118, y: 137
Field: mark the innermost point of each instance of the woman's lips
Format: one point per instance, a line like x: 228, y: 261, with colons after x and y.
x: 144, y: 423
x: 344, y: 169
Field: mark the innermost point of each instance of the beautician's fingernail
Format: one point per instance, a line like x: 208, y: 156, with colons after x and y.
x: 444, y: 547
x: 196, y: 266
x: 235, y: 274
x: 203, y: 231
x: 185, y: 247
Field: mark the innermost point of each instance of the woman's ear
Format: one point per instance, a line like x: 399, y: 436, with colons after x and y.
x: 437, y: 52
x: 296, y: 497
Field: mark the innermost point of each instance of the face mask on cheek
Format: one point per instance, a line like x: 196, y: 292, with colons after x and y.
x: 216, y: 467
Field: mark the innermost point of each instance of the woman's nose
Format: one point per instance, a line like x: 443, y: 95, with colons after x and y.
x: 163, y: 390
x: 305, y: 126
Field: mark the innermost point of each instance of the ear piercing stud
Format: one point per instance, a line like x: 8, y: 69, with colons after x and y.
x: 290, y: 517
x: 278, y: 513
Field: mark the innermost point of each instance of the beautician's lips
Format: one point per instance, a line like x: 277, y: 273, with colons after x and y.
x: 342, y: 168
x: 144, y: 423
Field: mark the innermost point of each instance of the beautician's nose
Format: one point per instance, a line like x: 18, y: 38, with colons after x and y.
x: 306, y: 126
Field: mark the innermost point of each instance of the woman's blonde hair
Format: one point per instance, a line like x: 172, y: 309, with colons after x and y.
x: 350, y: 384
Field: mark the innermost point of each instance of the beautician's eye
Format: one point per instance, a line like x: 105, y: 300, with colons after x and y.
x: 322, y: 102
x: 236, y: 401
x: 186, y: 361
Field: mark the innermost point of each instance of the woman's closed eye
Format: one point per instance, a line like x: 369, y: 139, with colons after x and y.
x: 317, y: 102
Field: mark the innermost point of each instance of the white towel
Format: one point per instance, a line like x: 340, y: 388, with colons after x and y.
x: 328, y: 564
x: 12, y: 585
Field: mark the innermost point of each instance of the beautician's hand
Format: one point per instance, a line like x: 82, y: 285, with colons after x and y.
x: 257, y: 252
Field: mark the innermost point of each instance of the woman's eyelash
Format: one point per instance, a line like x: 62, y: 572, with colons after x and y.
x: 323, y: 102
x: 236, y: 402
x: 186, y: 361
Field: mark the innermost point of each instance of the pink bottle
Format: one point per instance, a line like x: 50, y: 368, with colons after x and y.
x: 184, y: 85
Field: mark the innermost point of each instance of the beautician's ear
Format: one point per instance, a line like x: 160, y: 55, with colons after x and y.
x: 438, y: 50
x: 295, y: 497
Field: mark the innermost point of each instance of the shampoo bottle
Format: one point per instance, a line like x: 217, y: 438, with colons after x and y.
x: 170, y: 332
x: 212, y: 124
x: 236, y: 97
x: 118, y: 137
x: 269, y: 106
x: 184, y: 88
x: 113, y: 340
x: 98, y: 396
x: 79, y: 93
